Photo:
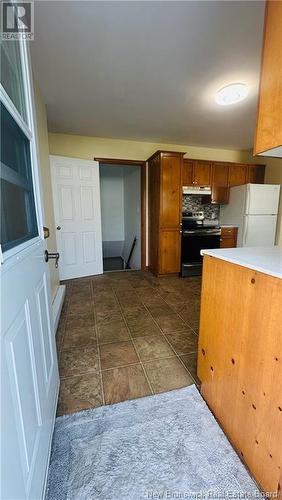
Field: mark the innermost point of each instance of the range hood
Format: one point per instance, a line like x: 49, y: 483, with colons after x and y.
x: 199, y: 190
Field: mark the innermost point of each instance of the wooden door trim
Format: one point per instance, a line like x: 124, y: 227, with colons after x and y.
x: 143, y: 177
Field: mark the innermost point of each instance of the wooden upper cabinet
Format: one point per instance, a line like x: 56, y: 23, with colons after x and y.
x: 269, y: 123
x: 202, y: 173
x: 170, y: 190
x: 187, y: 177
x: 198, y: 172
x: 256, y: 174
x: 237, y: 174
x: 220, y: 191
x: 220, y: 176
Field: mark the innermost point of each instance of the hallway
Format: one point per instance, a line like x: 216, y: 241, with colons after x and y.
x: 124, y: 335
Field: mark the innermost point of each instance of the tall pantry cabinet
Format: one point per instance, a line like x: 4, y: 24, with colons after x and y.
x: 165, y: 207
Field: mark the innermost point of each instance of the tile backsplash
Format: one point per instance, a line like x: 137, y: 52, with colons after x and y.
x: 193, y: 203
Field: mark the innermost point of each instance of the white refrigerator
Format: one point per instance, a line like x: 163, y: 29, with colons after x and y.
x: 253, y: 208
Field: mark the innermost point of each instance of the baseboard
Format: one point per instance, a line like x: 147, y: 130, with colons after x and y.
x: 57, y: 305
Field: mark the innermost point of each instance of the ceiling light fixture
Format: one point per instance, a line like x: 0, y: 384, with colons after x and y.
x: 231, y: 94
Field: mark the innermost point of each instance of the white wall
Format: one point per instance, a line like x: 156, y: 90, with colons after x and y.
x: 120, y: 207
x: 112, y: 209
x: 132, y: 215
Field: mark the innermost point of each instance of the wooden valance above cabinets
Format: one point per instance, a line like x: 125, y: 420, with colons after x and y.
x: 220, y: 176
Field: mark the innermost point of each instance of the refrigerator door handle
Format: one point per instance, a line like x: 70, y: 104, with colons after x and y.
x: 245, y: 230
x: 248, y: 194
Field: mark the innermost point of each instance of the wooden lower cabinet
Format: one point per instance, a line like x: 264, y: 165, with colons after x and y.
x: 169, y: 251
x: 228, y: 237
x: 239, y: 363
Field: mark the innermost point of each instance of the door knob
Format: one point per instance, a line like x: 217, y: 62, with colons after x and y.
x: 54, y: 255
x: 59, y: 228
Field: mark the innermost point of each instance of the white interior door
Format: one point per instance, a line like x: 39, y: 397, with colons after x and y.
x: 29, y: 371
x: 76, y: 195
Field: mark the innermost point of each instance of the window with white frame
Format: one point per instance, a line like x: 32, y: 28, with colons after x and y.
x: 18, y: 211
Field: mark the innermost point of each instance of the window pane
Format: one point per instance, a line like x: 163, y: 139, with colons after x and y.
x: 11, y: 74
x: 15, y: 147
x: 18, y: 216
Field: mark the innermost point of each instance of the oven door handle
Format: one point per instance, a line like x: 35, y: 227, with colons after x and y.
x: 201, y: 232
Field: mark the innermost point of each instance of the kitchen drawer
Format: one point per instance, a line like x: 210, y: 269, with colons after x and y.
x: 228, y: 237
x: 228, y: 231
x: 227, y: 242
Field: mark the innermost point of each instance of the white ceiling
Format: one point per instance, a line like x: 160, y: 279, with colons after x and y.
x: 149, y: 70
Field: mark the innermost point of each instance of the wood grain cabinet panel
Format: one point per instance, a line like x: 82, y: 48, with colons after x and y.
x: 167, y: 173
x: 165, y: 206
x: 187, y: 178
x: 237, y: 174
x: 239, y: 363
x: 228, y: 237
x: 170, y: 191
x: 154, y: 211
x: 220, y: 175
x: 169, y: 251
x: 202, y: 173
x: 256, y: 174
x: 269, y: 123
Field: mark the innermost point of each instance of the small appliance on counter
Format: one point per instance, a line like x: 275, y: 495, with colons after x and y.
x: 198, y: 234
x: 253, y: 208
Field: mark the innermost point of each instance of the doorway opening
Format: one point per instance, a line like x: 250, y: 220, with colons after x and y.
x: 122, y: 192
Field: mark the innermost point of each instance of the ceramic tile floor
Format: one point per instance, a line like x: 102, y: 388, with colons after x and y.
x: 125, y: 335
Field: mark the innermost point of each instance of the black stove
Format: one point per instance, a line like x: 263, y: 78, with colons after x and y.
x: 198, y: 234
x: 192, y: 220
